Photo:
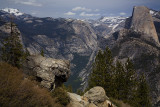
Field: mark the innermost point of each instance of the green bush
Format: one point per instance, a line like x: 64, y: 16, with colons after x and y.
x: 61, y: 96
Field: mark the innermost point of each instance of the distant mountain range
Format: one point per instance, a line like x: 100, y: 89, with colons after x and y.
x: 79, y: 40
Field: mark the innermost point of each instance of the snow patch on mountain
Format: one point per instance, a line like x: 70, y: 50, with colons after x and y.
x: 112, y: 19
x: 112, y: 22
x: 16, y: 12
x: 153, y: 12
x: 96, y: 24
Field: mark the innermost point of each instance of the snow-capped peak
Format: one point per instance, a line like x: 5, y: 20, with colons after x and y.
x: 112, y: 22
x: 112, y: 19
x: 153, y: 12
x: 16, y: 12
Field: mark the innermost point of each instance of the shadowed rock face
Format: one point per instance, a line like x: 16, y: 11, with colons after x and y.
x: 145, y: 56
x: 140, y: 43
x: 142, y: 22
x: 50, y: 72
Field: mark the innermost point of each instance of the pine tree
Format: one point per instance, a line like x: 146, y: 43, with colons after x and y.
x: 130, y: 83
x: 109, y: 73
x: 143, y: 93
x: 12, y: 49
x: 42, y: 52
x: 103, y: 72
x: 119, y: 80
x: 27, y: 53
x: 96, y: 77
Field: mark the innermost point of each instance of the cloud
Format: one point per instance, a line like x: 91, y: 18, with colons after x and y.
x: 96, y: 10
x: 33, y: 13
x: 111, y: 14
x: 81, y: 9
x: 29, y: 2
x: 70, y: 13
x: 88, y: 15
x: 122, y: 13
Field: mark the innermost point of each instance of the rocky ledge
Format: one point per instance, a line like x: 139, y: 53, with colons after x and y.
x: 49, y: 72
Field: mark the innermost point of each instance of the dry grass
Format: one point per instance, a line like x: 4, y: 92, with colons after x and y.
x: 15, y: 91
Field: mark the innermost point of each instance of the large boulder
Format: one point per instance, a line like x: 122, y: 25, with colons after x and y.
x: 96, y: 95
x: 76, y: 100
x: 48, y: 71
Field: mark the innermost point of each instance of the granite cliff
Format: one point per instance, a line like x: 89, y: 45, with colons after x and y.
x: 141, y: 44
x: 142, y: 22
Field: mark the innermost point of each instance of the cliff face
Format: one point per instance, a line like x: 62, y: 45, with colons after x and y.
x: 141, y: 44
x: 145, y: 56
x: 142, y: 22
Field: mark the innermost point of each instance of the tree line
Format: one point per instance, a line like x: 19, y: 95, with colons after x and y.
x: 120, y: 81
x: 12, y: 50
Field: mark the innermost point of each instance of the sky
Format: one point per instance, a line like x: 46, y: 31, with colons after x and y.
x: 81, y: 9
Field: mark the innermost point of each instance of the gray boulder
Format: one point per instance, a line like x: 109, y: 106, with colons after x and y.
x: 96, y: 95
x: 76, y: 100
x: 48, y: 71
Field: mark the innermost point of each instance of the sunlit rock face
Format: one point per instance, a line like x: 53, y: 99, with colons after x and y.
x: 49, y: 72
x: 142, y: 22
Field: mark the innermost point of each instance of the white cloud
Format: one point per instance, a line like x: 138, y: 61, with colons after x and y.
x: 33, y: 13
x: 111, y: 14
x: 96, y: 10
x: 81, y: 9
x: 122, y: 13
x: 88, y: 15
x: 29, y: 2
x: 69, y: 13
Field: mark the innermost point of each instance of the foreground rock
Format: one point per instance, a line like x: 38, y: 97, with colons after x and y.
x: 48, y: 71
x: 95, y: 97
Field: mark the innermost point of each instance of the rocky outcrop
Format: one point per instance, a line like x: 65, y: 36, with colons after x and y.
x: 142, y: 22
x: 5, y: 30
x: 95, y: 97
x: 48, y: 71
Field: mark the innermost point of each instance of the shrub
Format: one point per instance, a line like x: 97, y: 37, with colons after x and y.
x: 61, y: 96
x: 80, y: 92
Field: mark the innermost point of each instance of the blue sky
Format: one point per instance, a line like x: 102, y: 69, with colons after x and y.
x: 78, y: 8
